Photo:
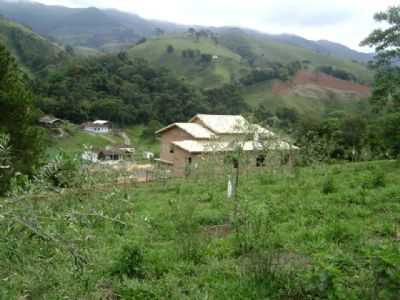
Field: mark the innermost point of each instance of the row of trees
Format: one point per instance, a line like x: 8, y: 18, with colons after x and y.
x: 273, y: 71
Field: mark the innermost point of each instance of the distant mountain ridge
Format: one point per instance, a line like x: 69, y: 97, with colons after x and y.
x: 324, y: 47
x: 99, y: 28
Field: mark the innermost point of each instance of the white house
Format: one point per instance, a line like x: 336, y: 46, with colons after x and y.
x: 98, y: 126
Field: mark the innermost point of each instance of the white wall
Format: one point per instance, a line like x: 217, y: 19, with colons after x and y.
x: 97, y: 129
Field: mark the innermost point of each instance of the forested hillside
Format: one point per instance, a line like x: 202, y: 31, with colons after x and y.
x: 126, y: 91
x: 112, y: 29
x: 32, y: 51
x: 87, y: 27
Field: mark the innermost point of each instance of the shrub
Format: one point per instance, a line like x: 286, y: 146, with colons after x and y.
x: 129, y: 263
x: 378, y: 180
x: 375, y: 180
x: 63, y: 171
x: 328, y: 187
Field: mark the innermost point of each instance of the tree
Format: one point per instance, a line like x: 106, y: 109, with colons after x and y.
x: 18, y: 118
x: 70, y: 50
x: 386, y: 92
x: 170, y: 49
x: 159, y: 31
x: 226, y: 100
x: 387, y: 47
x: 192, y: 31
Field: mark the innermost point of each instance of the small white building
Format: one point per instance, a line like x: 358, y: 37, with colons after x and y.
x: 98, y: 126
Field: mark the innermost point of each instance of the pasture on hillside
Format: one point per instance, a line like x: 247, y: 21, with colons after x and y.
x: 322, y: 232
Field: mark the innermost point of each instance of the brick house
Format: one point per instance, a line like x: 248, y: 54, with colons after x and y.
x: 186, y: 145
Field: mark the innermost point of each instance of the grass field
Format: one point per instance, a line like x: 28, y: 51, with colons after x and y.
x: 205, y: 75
x: 266, y: 50
x: 77, y: 140
x: 325, y: 232
x: 261, y: 93
x: 230, y: 64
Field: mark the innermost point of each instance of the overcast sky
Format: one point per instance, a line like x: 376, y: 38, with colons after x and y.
x: 343, y: 21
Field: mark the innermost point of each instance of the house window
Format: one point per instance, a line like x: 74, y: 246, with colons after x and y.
x: 190, y: 160
x: 235, y: 163
x: 260, y: 161
x: 171, y: 149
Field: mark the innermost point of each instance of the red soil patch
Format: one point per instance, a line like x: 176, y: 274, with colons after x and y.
x: 320, y: 80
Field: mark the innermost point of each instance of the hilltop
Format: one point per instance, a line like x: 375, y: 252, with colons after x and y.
x: 262, y: 66
x: 86, y: 27
x: 266, y: 67
x: 113, y: 29
x: 237, y: 54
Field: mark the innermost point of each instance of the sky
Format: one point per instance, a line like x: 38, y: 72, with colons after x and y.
x: 344, y: 21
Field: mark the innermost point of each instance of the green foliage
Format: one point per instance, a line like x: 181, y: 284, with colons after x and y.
x: 271, y: 72
x: 115, y: 88
x: 288, y: 241
x: 386, y: 93
x: 170, y: 49
x: 226, y: 100
x: 337, y: 73
x: 149, y: 132
x: 63, y: 171
x: 19, y: 118
x: 32, y: 52
x: 385, y: 40
x: 328, y: 186
x: 129, y: 263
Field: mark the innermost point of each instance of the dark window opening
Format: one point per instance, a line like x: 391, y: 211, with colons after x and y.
x: 171, y: 149
x: 235, y: 163
x: 260, y: 161
x: 189, y: 160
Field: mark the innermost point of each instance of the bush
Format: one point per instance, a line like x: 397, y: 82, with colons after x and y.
x: 129, y: 263
x: 375, y: 180
x: 328, y: 187
x: 63, y: 171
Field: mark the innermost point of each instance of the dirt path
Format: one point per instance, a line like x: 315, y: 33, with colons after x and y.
x: 127, y: 140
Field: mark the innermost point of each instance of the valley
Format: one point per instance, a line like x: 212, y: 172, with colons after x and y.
x: 145, y: 159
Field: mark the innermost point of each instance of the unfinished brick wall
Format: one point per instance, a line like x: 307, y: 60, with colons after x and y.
x: 174, y: 134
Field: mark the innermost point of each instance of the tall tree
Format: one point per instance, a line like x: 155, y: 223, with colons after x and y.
x: 387, y: 47
x: 18, y: 118
x: 386, y: 93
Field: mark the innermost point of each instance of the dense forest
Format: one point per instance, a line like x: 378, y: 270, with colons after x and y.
x: 113, y: 87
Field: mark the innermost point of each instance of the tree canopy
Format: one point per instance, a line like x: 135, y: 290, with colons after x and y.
x: 18, y: 119
x: 125, y: 91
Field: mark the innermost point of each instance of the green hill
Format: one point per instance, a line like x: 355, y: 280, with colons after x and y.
x: 238, y: 52
x: 32, y: 51
x: 192, y: 65
x: 316, y: 105
x: 262, y: 50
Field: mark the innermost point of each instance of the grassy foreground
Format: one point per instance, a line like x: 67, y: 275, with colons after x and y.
x: 313, y: 233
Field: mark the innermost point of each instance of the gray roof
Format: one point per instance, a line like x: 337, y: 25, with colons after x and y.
x: 195, y: 130
x: 48, y: 120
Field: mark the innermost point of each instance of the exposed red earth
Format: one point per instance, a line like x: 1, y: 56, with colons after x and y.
x: 314, y: 80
